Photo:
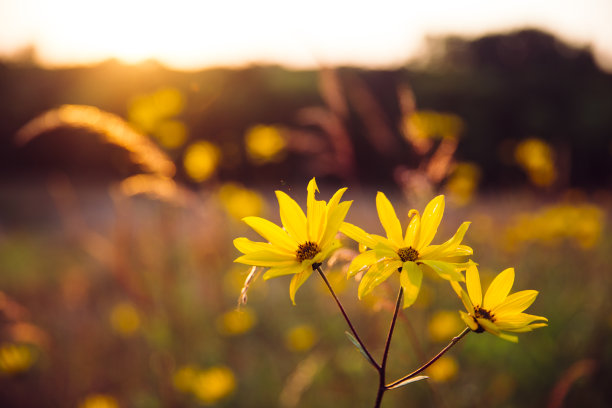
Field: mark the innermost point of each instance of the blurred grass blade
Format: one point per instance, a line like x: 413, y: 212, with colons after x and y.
x: 408, y: 381
x: 361, y: 350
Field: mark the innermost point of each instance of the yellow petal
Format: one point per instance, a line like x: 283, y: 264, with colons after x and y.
x: 508, y: 337
x: 430, y: 221
x: 273, y: 233
x: 450, y: 248
x: 335, y: 200
x: 445, y: 270
x: 410, y: 279
x: 375, y: 276
x: 389, y: 219
x: 246, y: 246
x: 488, y: 326
x: 457, y: 288
x: 266, y: 258
x: 316, y: 221
x: 311, y: 189
x: 274, y: 272
x: 357, y: 234
x: 335, y: 218
x: 327, y: 250
x: 472, y: 281
x: 362, y: 261
x: 469, y: 321
x: 515, y: 303
x: 499, y: 289
x: 297, y: 281
x: 518, y: 321
x: 465, y: 299
x: 292, y: 217
x: 413, y: 230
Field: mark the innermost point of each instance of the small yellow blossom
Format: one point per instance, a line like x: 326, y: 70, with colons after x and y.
x: 16, y: 358
x: 303, y: 243
x: 201, y: 160
x: 99, y: 401
x: 265, y: 143
x: 536, y: 157
x: 445, y: 369
x: 498, y: 312
x: 236, y: 322
x: 239, y: 201
x: 213, y: 384
x: 183, y: 378
x: 444, y: 325
x: 301, y: 338
x: 125, y: 319
x: 407, y: 253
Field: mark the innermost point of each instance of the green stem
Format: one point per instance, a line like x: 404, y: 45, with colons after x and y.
x: 348, y: 321
x: 454, y: 341
x: 383, y: 366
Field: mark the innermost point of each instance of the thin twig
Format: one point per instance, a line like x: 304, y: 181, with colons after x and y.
x: 433, y: 360
x: 383, y: 366
x: 348, y: 321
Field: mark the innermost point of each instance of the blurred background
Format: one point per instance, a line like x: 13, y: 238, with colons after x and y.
x: 135, y: 135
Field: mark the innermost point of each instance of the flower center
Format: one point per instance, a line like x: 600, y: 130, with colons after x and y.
x: 408, y: 254
x: 307, y: 250
x: 481, y: 313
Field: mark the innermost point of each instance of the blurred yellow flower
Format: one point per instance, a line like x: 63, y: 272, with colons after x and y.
x: 580, y: 223
x: 304, y: 242
x: 125, y: 319
x: 154, y: 114
x: 265, y: 143
x: 444, y: 325
x: 16, y: 358
x: 536, y: 157
x: 443, y: 370
x: 301, y: 338
x: 239, y: 201
x: 99, y: 401
x: 498, y: 312
x: 462, y: 183
x: 201, y: 160
x: 213, y: 384
x: 430, y: 124
x: 407, y: 254
x: 237, y: 321
x: 145, y: 111
x: 183, y: 378
x: 171, y: 133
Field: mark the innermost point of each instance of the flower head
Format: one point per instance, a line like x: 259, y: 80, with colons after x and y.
x: 409, y: 252
x: 497, y: 312
x: 303, y: 243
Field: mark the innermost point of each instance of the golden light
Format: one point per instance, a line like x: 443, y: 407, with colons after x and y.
x: 191, y: 34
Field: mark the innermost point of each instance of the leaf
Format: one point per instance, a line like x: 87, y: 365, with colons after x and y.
x: 361, y: 349
x: 408, y: 381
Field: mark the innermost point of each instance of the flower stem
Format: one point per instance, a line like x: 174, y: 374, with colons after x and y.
x: 383, y: 366
x: 348, y: 321
x: 454, y: 341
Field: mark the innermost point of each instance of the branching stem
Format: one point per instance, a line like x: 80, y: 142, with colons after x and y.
x: 416, y: 372
x: 383, y: 366
x: 348, y: 321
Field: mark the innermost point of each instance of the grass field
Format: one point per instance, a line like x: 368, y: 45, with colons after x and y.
x: 109, y: 300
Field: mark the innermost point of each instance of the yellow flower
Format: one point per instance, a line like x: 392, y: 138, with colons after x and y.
x: 498, y: 311
x: 213, y: 384
x: 407, y: 254
x: 303, y: 243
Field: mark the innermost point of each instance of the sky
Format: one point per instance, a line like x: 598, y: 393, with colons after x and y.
x: 192, y: 34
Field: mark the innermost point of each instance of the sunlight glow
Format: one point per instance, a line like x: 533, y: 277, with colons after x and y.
x: 191, y: 34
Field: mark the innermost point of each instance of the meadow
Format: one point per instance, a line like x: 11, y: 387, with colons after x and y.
x: 136, y: 299
x: 123, y: 190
